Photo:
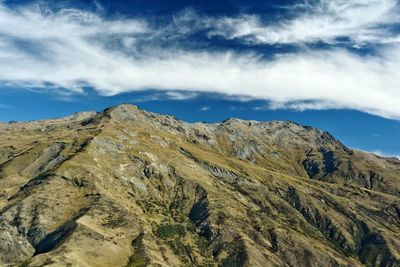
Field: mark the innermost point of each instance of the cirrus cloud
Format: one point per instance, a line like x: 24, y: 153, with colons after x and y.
x: 330, y: 21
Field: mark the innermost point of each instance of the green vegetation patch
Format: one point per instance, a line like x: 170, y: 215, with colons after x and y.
x: 139, y: 257
x: 170, y: 231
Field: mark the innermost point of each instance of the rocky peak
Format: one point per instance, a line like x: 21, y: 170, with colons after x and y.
x: 123, y: 111
x: 78, y: 116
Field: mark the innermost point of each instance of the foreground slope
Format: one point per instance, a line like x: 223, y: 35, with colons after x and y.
x: 125, y: 187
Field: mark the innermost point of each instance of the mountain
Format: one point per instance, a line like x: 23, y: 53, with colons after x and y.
x: 126, y: 187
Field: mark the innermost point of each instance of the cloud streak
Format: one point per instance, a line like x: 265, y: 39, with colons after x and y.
x: 74, y: 49
x: 167, y: 96
x: 330, y: 21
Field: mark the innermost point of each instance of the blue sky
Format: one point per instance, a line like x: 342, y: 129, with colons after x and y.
x: 331, y: 64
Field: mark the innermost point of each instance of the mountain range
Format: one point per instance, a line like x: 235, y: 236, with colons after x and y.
x: 127, y: 187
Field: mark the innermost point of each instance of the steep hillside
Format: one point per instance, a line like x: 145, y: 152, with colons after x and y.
x: 126, y: 187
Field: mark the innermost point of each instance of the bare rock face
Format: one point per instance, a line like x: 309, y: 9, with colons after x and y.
x: 126, y: 187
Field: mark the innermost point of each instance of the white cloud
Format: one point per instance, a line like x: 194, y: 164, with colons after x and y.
x: 302, y: 105
x: 205, y: 108
x: 361, y: 21
x: 73, y: 49
x: 168, y: 95
x: 176, y: 95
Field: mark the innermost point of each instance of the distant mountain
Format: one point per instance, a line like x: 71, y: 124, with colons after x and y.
x: 126, y: 187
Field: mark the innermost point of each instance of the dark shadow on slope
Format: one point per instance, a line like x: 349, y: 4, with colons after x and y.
x: 56, y: 238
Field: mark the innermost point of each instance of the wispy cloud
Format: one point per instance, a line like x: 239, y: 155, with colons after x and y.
x: 328, y: 21
x: 74, y: 49
x: 301, y: 105
x: 183, y: 95
x: 205, y: 108
x: 168, y: 95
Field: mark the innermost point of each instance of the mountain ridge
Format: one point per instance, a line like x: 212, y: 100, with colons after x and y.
x: 134, y: 188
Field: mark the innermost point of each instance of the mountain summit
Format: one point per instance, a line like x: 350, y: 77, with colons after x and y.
x: 127, y: 187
